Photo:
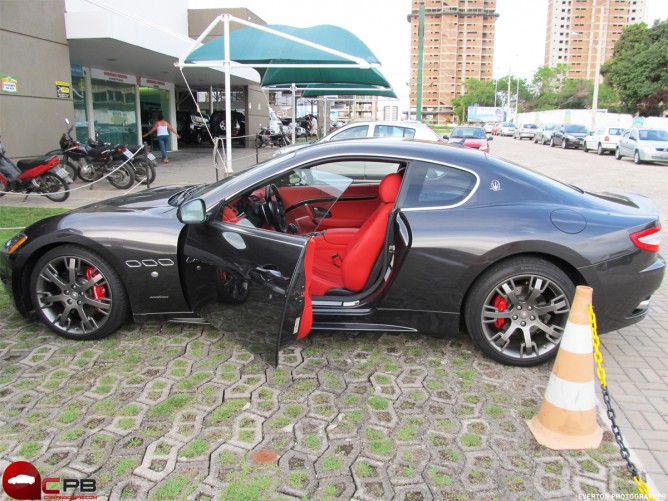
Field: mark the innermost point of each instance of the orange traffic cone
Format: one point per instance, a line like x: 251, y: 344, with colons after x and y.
x: 567, y: 416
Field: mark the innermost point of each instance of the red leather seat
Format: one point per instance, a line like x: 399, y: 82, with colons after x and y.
x: 350, y: 269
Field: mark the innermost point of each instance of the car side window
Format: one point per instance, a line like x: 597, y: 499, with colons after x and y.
x: 435, y: 185
x: 393, y: 131
x: 352, y: 133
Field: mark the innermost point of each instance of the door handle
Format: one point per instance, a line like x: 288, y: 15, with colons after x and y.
x: 269, y: 270
x: 321, y: 213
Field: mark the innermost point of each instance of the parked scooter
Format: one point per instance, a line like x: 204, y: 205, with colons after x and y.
x: 38, y: 175
x: 267, y: 137
x: 141, y: 160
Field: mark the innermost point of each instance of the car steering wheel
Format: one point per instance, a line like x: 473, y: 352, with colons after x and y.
x: 275, y: 209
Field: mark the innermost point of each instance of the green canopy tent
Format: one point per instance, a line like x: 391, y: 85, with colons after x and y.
x: 286, y: 55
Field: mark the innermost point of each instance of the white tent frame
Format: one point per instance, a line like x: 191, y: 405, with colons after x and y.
x: 226, y: 64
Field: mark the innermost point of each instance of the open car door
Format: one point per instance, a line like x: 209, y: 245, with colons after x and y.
x: 250, y: 283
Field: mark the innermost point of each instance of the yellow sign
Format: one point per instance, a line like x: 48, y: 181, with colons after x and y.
x: 63, y: 90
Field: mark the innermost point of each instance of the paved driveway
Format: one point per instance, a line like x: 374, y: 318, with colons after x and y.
x: 166, y: 411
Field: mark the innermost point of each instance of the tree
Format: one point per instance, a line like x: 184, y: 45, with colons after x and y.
x: 477, y: 92
x: 638, y: 70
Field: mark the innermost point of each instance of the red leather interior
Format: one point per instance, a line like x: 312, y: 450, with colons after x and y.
x: 352, y: 269
x: 307, y: 316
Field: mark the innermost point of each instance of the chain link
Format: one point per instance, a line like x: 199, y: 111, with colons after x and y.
x: 600, y: 371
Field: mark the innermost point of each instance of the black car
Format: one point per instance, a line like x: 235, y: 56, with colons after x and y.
x: 569, y: 136
x: 217, y: 125
x: 192, y: 127
x: 381, y: 235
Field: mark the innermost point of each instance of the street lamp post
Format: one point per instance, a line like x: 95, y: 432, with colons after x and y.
x: 594, y: 104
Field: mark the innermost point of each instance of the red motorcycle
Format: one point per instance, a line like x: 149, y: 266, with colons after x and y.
x: 41, y: 175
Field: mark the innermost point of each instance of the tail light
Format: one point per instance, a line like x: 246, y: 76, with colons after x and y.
x: 606, y: 138
x: 648, y: 239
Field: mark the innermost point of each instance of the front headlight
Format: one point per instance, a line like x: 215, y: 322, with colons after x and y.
x: 13, y: 244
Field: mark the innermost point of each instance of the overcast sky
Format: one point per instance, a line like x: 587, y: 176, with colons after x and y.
x: 382, y: 26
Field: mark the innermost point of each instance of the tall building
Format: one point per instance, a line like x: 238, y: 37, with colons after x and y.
x: 458, y: 44
x: 578, y: 31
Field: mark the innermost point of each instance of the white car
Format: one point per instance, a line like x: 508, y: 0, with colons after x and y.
x: 21, y: 479
x: 506, y: 129
x: 603, y: 139
x: 406, y: 129
x: 643, y: 145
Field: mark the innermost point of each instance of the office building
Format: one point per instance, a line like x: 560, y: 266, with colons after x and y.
x: 579, y: 31
x: 458, y: 45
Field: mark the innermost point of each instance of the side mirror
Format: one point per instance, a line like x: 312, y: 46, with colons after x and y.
x: 490, y: 138
x: 192, y: 212
x: 446, y: 136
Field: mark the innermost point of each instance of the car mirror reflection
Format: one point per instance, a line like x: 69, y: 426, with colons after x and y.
x: 192, y: 212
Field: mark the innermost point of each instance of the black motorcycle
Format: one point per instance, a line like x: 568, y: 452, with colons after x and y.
x: 267, y: 137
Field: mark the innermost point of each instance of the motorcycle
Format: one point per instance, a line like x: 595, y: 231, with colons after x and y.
x: 267, y: 137
x: 41, y: 175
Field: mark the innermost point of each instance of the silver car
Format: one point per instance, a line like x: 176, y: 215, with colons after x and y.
x: 544, y: 133
x: 643, y: 145
x: 603, y: 139
x: 406, y: 129
x: 525, y: 130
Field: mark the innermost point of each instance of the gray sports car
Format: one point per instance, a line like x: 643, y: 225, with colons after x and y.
x: 383, y: 235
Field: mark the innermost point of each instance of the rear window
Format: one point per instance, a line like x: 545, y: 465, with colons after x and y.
x: 393, y: 131
x: 615, y: 132
x: 435, y: 185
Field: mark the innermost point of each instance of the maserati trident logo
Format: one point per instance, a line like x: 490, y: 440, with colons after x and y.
x: 495, y: 186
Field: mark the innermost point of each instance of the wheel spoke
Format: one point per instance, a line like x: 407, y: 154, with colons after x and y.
x: 558, y: 305
x: 50, y: 274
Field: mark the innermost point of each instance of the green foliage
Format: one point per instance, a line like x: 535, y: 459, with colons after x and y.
x: 638, y: 70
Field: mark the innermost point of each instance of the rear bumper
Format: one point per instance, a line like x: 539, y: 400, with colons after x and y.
x: 620, y: 302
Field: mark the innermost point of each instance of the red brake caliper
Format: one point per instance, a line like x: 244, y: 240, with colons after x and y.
x: 99, y: 291
x: 500, y: 304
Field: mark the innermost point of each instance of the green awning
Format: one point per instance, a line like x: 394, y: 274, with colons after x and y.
x: 315, y: 90
x: 258, y: 48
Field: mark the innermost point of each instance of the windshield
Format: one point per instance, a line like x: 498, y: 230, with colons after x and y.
x: 653, y: 135
x: 575, y: 128
x: 468, y: 132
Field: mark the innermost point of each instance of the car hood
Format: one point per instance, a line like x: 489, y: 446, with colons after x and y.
x: 577, y: 134
x: 154, y: 200
x: 469, y: 142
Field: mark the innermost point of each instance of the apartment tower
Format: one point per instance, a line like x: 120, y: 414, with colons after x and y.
x: 458, y: 45
x: 580, y: 31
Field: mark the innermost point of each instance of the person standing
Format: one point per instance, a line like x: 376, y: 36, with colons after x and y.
x: 314, y: 126
x: 162, y: 127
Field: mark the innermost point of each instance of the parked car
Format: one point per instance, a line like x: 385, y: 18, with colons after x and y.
x: 191, y: 127
x: 643, y: 145
x: 506, y: 129
x: 406, y: 129
x: 450, y: 238
x: 488, y: 127
x: 471, y: 137
x: 525, y: 130
x: 569, y: 136
x: 544, y: 132
x: 602, y: 139
x: 217, y: 125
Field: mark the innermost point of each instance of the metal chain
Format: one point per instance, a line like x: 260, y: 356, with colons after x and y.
x: 600, y: 371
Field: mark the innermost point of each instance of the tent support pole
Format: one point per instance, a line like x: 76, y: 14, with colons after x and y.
x: 228, y: 97
x: 293, y: 88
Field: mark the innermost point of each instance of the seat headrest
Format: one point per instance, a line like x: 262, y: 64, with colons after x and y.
x: 389, y: 188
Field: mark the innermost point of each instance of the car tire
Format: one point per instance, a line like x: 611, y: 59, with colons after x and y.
x: 499, y: 306
x: 78, y: 294
x: 584, y: 147
x: 618, y: 154
x: 636, y: 158
x: 564, y: 144
x: 551, y: 142
x: 542, y: 140
x: 599, y: 149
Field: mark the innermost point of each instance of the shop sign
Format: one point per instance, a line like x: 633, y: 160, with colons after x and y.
x: 9, y: 84
x: 150, y: 82
x: 63, y: 90
x: 112, y: 76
